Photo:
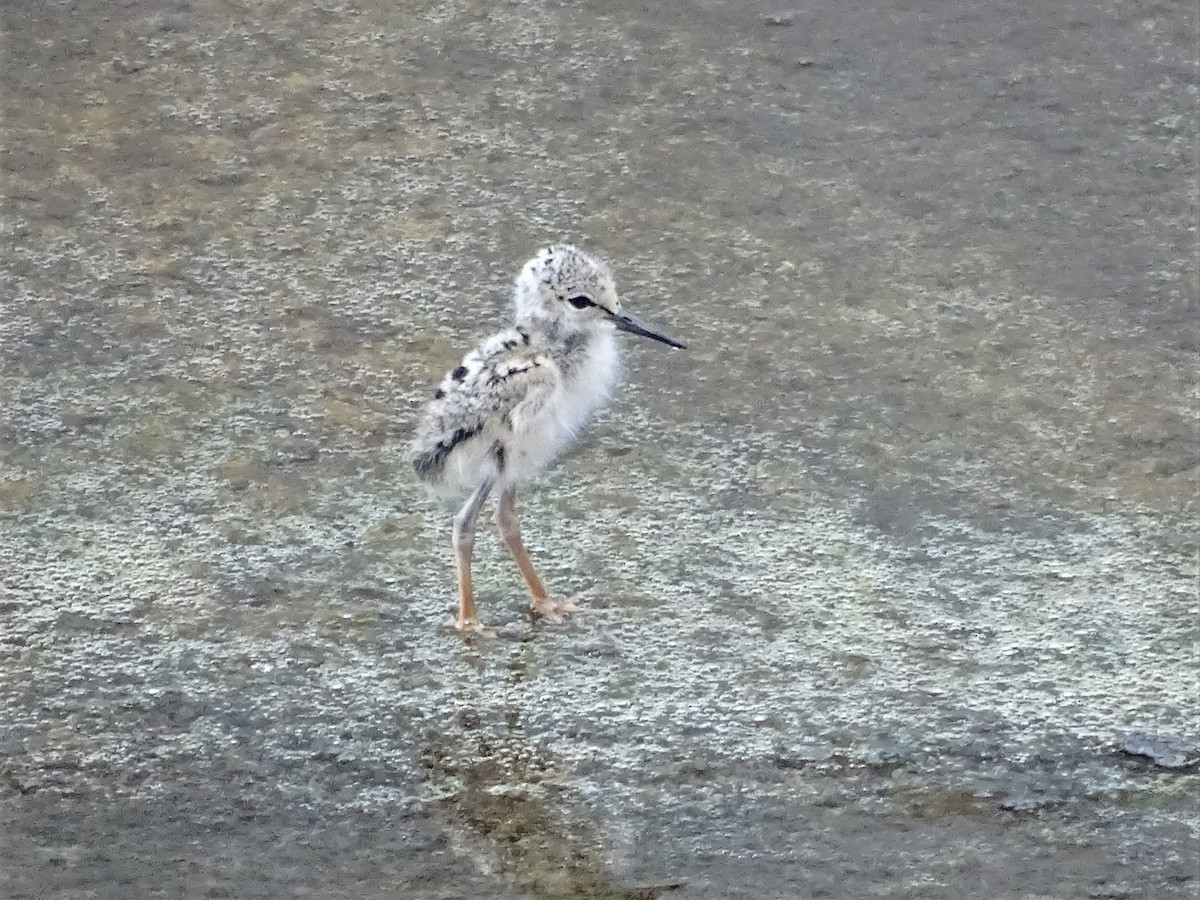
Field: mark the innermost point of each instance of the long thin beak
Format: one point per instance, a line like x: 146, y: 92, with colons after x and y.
x: 633, y: 326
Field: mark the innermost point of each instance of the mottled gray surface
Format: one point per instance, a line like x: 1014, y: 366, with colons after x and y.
x: 890, y: 580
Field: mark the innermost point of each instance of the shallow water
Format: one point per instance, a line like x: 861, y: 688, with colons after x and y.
x: 889, y: 581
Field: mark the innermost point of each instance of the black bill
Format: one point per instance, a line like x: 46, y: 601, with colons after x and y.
x: 633, y: 326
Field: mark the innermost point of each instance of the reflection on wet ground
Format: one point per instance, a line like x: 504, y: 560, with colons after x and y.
x: 890, y: 582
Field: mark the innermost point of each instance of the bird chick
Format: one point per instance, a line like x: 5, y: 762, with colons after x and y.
x: 519, y: 399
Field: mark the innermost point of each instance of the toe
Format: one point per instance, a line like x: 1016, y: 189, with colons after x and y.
x: 545, y: 609
x: 552, y: 612
x: 467, y: 627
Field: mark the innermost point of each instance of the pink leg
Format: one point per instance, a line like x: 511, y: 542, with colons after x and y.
x: 464, y: 547
x: 509, y: 527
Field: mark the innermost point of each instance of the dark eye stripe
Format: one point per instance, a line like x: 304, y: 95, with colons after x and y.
x: 581, y: 301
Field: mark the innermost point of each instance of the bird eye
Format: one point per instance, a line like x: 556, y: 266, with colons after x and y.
x: 581, y: 301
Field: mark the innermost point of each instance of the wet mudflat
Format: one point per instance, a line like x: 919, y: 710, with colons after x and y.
x: 889, y: 582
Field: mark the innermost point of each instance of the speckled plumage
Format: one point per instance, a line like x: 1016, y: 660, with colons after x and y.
x: 515, y: 402
x: 520, y: 397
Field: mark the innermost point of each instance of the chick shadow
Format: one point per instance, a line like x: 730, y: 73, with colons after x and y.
x: 501, y: 795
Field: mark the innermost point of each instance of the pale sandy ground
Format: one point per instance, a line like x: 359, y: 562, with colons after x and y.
x: 890, y: 580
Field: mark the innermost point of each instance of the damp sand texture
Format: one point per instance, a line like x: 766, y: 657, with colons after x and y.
x: 888, y: 583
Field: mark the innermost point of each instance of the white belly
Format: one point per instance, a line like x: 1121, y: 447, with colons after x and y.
x: 587, y: 388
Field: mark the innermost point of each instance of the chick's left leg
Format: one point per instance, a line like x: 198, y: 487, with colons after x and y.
x: 509, y: 526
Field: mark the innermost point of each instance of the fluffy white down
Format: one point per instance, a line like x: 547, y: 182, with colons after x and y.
x: 541, y: 428
x: 535, y: 443
x: 523, y: 394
